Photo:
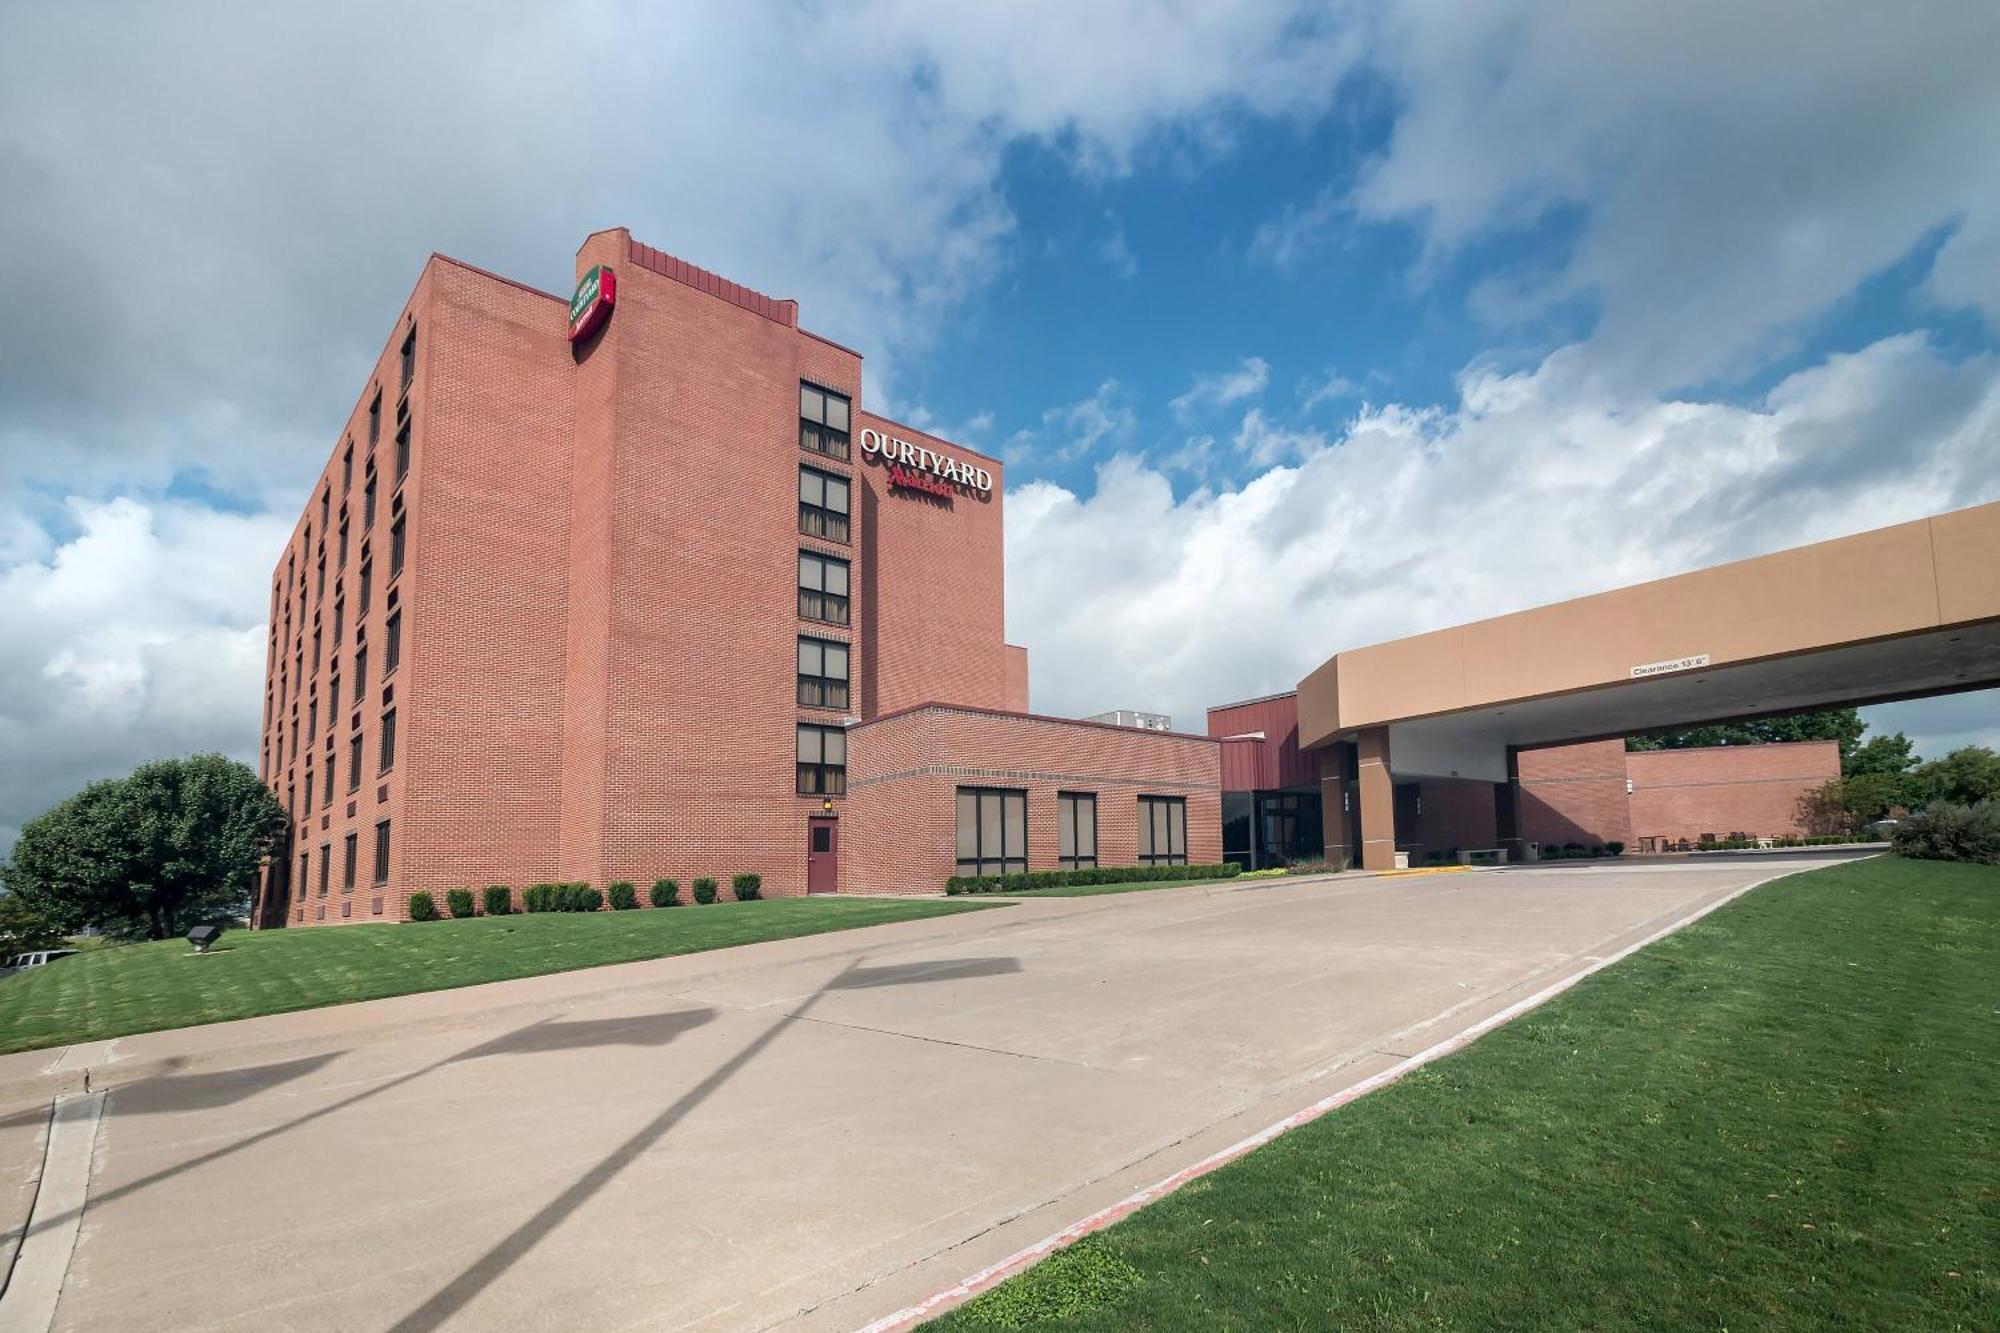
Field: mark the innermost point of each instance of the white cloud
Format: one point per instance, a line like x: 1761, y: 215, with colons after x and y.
x: 1535, y: 487
x: 1210, y: 392
x: 140, y: 635
x: 1115, y: 250
x: 1732, y: 176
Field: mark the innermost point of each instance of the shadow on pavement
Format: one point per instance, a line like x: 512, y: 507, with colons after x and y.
x: 496, y: 1261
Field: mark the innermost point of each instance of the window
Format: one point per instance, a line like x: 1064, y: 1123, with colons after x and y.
x: 823, y: 421
x: 341, y: 561
x: 319, y: 575
x: 1076, y: 829
x: 325, y: 860
x: 402, y: 452
x: 410, y: 357
x: 396, y: 531
x: 352, y: 849
x: 354, y: 762
x: 375, y: 418
x: 382, y: 852
x: 1162, y: 831
x: 312, y: 722
x: 325, y: 508
x: 333, y: 698
x: 992, y: 831
x: 822, y: 760
x: 392, y: 651
x: 347, y: 469
x: 305, y: 860
x: 822, y: 588
x: 367, y: 581
x: 316, y: 645
x: 339, y: 619
x: 822, y: 674
x: 823, y: 504
x: 360, y: 672
x: 388, y: 740
x: 307, y: 808
x: 368, y: 503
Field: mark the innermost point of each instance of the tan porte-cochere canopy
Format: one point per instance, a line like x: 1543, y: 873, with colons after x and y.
x: 1897, y: 613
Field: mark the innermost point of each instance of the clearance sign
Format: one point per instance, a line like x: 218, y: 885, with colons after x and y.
x: 591, y: 305
x: 913, y: 467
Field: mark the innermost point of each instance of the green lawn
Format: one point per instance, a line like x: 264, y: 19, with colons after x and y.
x: 1784, y: 1117
x: 143, y: 987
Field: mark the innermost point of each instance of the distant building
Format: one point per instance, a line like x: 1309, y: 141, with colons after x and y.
x: 1132, y: 717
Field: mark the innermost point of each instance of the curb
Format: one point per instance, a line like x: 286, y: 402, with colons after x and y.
x: 1027, y: 1257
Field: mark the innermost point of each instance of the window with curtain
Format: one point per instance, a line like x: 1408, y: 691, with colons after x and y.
x: 1076, y: 829
x: 1162, y: 831
x: 992, y: 831
x: 822, y: 673
x: 822, y: 760
x: 823, y: 421
x: 823, y: 504
x: 822, y: 589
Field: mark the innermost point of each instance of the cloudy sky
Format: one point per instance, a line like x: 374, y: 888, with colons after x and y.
x: 1298, y: 327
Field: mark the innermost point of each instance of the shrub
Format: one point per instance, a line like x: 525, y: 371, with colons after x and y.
x: 1551, y: 852
x: 666, y: 893
x: 704, y: 891
x: 1021, y: 881
x: 1947, y: 832
x: 1614, y: 848
x: 747, y: 888
x: 623, y: 896
x: 460, y: 902
x: 423, y: 907
x: 499, y: 900
x: 586, y: 899
x: 539, y: 898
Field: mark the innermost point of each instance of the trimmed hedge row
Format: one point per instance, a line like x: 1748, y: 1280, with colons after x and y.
x: 1021, y: 881
x: 623, y: 896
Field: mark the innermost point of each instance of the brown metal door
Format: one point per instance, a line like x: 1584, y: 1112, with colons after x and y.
x: 822, y: 855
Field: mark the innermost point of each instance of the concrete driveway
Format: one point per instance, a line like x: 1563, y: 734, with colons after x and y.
x: 811, y: 1134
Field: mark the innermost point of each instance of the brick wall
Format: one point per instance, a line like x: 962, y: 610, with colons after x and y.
x: 933, y: 625
x: 1575, y: 793
x: 900, y: 832
x: 1752, y: 789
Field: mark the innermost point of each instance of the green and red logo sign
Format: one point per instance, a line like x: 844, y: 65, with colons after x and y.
x: 591, y: 305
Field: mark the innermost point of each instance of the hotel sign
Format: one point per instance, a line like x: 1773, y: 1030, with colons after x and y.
x: 1676, y: 664
x: 591, y: 305
x: 913, y: 467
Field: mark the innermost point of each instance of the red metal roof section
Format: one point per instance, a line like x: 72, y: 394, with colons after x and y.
x: 1268, y: 762
x: 664, y: 264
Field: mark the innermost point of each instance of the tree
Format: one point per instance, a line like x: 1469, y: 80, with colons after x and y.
x: 1966, y: 776
x: 1837, y: 724
x: 176, y: 843
x: 23, y: 929
x: 1880, y: 754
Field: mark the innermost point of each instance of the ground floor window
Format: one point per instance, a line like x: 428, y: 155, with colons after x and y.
x: 1162, y: 831
x: 992, y: 831
x: 1076, y: 829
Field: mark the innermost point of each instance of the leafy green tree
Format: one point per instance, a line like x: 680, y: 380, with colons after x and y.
x: 1880, y: 754
x: 23, y: 929
x: 1836, y: 724
x: 1966, y: 776
x: 177, y: 842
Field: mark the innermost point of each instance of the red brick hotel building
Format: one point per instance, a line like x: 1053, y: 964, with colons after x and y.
x: 632, y: 586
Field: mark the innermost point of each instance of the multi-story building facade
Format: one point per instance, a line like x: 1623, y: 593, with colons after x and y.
x: 613, y: 588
